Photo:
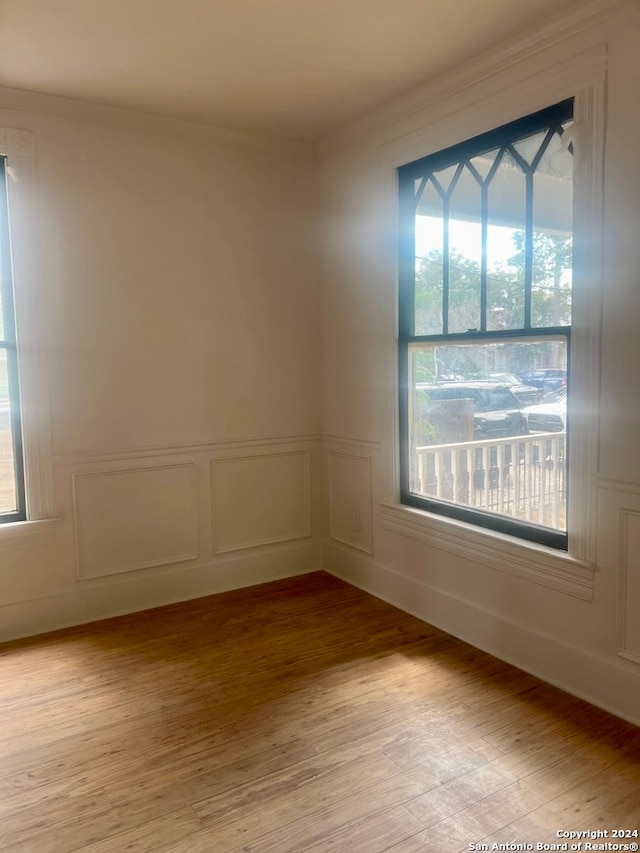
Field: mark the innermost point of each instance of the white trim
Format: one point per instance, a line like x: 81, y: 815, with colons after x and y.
x: 612, y: 484
x: 82, y: 574
x: 93, y: 457
x: 634, y: 657
x: 260, y: 543
x: 97, y: 113
x: 586, y: 329
x: 618, y: 536
x: 571, y: 573
x: 536, y: 563
x: 503, y: 62
x: 106, y: 597
x: 434, y: 127
x: 366, y: 546
x: 304, y: 533
x: 626, y: 605
x: 365, y: 443
x: 28, y: 534
x: 447, y: 122
x: 611, y: 685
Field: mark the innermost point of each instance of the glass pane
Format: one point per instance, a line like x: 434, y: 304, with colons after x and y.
x: 529, y: 147
x: 429, y: 243
x: 2, y: 286
x: 487, y: 427
x: 505, y: 247
x: 418, y: 188
x: 557, y: 160
x: 445, y: 177
x: 8, y: 501
x: 552, y: 237
x: 465, y: 254
x: 483, y: 162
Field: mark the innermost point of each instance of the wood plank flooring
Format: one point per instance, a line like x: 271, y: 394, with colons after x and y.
x: 302, y: 715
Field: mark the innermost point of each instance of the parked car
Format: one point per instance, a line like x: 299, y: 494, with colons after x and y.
x: 496, y: 409
x: 545, y: 379
x: 527, y: 394
x: 550, y: 415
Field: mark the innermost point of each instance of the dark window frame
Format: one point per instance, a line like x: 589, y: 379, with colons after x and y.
x: 9, y: 345
x: 552, y: 116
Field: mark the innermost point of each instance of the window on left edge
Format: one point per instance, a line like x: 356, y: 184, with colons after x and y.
x: 12, y: 487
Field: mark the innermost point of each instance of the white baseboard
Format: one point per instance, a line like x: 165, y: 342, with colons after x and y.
x: 596, y: 679
x: 117, y: 597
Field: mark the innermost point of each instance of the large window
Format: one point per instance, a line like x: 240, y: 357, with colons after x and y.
x: 12, y: 492
x: 485, y: 323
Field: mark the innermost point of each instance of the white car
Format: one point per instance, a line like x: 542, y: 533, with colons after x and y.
x: 550, y: 415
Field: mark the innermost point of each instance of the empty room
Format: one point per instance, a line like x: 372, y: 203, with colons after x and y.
x: 319, y: 417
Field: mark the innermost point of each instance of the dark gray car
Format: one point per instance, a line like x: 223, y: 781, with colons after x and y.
x: 496, y: 409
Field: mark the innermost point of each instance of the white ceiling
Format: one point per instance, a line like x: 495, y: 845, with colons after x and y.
x: 289, y: 68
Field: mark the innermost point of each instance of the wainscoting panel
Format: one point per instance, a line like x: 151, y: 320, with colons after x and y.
x: 260, y: 499
x: 619, y: 547
x: 134, y: 518
x: 630, y: 599
x: 350, y: 507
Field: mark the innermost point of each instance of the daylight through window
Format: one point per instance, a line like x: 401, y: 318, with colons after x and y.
x: 12, y: 493
x: 485, y: 321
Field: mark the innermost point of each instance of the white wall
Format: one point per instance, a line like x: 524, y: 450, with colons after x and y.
x: 167, y: 305
x: 572, y: 621
x: 201, y: 408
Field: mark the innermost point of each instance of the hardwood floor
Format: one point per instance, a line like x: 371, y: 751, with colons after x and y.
x: 302, y: 715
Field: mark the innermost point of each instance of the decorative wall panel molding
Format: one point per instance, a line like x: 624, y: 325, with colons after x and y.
x: 260, y: 499
x: 134, y: 518
x: 350, y: 500
x: 630, y: 584
x: 154, y: 451
x: 618, y: 550
x: 364, y: 444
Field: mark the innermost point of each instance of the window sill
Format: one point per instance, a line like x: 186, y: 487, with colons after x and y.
x: 28, y: 534
x: 536, y: 563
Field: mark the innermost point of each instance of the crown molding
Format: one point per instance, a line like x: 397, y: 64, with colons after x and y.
x: 96, y: 113
x: 573, y: 25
